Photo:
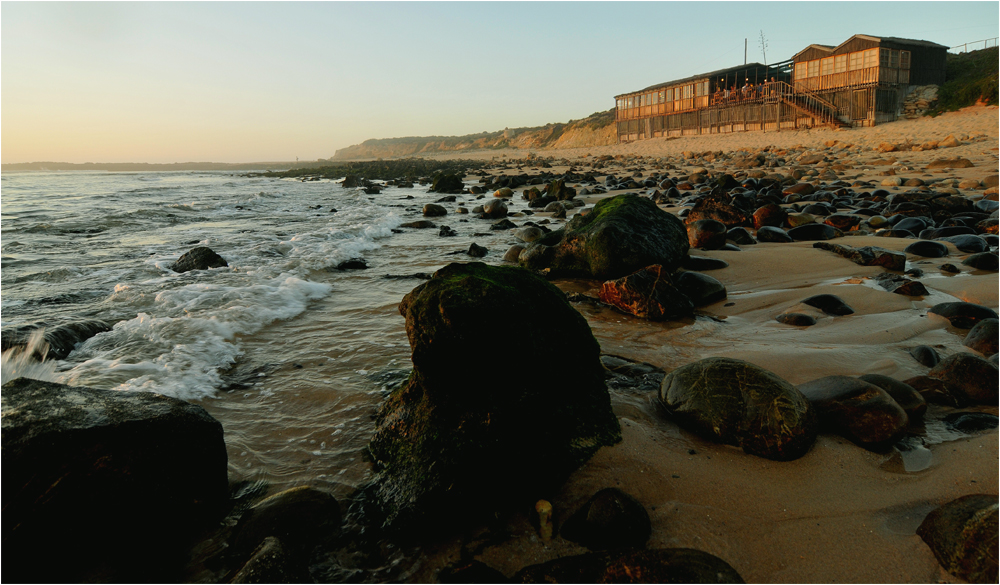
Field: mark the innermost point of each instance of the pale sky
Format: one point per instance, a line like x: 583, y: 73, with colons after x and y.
x: 259, y: 81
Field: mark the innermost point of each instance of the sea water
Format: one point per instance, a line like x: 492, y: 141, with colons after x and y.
x: 291, y: 354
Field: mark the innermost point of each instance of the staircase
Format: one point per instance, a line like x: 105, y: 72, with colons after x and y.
x: 811, y: 104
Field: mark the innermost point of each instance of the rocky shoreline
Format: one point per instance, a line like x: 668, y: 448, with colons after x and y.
x: 581, y: 465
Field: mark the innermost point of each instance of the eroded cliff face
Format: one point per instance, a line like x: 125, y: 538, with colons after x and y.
x: 595, y: 130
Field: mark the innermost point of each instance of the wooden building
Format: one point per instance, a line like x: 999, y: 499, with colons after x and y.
x: 861, y: 82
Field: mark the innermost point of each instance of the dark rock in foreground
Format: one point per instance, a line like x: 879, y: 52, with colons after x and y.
x: 867, y: 255
x: 200, y: 258
x: 458, y: 436
x: 737, y: 403
x: 963, y: 536
x: 61, y: 339
x: 610, y: 519
x: 905, y: 396
x: 983, y: 337
x: 858, y: 410
x: 670, y: 565
x: 301, y: 517
x: 105, y: 485
x: 963, y: 315
x: 619, y: 236
x: 968, y: 377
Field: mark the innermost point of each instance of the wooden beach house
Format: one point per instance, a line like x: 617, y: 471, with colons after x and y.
x: 861, y: 82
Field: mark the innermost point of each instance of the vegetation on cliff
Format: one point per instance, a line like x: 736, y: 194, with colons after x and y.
x: 969, y: 78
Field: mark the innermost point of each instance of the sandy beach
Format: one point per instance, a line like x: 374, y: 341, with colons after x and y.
x: 841, y: 513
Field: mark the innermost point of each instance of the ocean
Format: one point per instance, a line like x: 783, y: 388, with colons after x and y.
x: 289, y: 353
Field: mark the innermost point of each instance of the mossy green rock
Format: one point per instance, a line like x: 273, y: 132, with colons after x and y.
x: 963, y: 536
x: 738, y: 403
x: 619, y: 236
x: 468, y: 433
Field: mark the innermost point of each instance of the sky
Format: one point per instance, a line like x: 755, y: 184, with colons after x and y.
x: 262, y: 81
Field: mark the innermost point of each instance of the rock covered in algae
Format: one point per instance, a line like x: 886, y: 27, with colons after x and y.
x: 463, y: 435
x: 738, y: 403
x: 963, y: 536
x: 620, y: 235
x: 667, y: 565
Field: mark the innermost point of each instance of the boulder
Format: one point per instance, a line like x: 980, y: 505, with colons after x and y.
x: 986, y: 261
x: 797, y: 319
x: 814, y: 231
x: 925, y: 355
x: 200, y: 258
x: 706, y: 234
x: 952, y: 163
x: 452, y: 438
x: 494, y: 209
x: 738, y: 403
x: 905, y: 396
x: 858, y: 410
x: 867, y: 255
x: 983, y: 337
x: 773, y: 234
x: 302, y: 518
x: 769, y: 215
x: 610, y: 519
x: 618, y: 237
x: 963, y: 536
x: 718, y: 209
x: 963, y: 315
x: 61, y: 339
x: 670, y: 565
x: 701, y: 289
x: 829, y: 304
x: 927, y: 249
x: 105, y: 485
x: 451, y: 184
x: 434, y: 210
x: 476, y: 251
x: 703, y: 263
x: 968, y: 377
x: 559, y: 190
x: 648, y: 294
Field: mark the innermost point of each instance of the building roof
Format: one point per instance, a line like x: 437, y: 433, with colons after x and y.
x: 719, y: 73
x: 897, y: 40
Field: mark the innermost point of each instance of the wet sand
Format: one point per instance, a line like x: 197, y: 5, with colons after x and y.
x: 840, y: 513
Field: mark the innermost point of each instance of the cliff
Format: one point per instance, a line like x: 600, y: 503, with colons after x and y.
x: 598, y: 129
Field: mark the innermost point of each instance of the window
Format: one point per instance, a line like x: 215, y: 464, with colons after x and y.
x: 826, y: 66
x: 883, y: 57
x: 904, y: 59
x: 840, y: 64
x: 814, y: 68
x: 871, y: 58
x: 801, y: 70
x: 894, y: 59
x: 857, y: 61
x: 687, y: 91
x: 662, y: 96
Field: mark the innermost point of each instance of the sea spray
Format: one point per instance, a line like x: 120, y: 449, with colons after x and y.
x: 20, y: 361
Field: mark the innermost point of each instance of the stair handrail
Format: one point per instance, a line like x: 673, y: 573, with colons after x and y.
x: 805, y: 93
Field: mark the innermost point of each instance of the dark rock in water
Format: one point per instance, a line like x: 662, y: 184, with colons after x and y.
x: 503, y: 224
x: 302, y: 517
x: 447, y: 232
x: 983, y: 337
x: 513, y: 253
x: 110, y: 483
x: 271, y: 563
x: 773, y: 234
x: 559, y: 190
x: 968, y: 377
x: 670, y: 565
x: 909, y: 399
x: 963, y: 536
x: 622, y: 374
x: 437, y: 445
x: 983, y: 261
x: 610, y: 519
x: 353, y: 264
x: 741, y: 236
x: 950, y: 268
x: 968, y: 243
x: 901, y: 285
x: 963, y: 315
x: 494, y: 209
x: 737, y: 403
x: 933, y: 391
x: 925, y: 355
x: 434, y: 210
x: 200, y: 258
x: 700, y: 288
x: 945, y: 232
x: 867, y: 255
x: 798, y: 319
x: 927, y: 249
x: 971, y: 422
x: 829, y: 304
x: 62, y: 339
x: 477, y: 251
x: 447, y: 184
x: 446, y: 199
x: 858, y: 410
x: 814, y: 231
x: 621, y: 235
x: 707, y: 234
x: 703, y: 263
x: 648, y: 294
x: 471, y: 572
x: 419, y: 225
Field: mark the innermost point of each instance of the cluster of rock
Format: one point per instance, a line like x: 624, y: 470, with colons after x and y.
x: 919, y: 100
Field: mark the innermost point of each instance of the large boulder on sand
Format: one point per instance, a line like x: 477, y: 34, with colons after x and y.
x: 858, y: 410
x: 619, y: 236
x: 462, y: 434
x: 103, y: 485
x: 963, y: 536
x: 737, y: 403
